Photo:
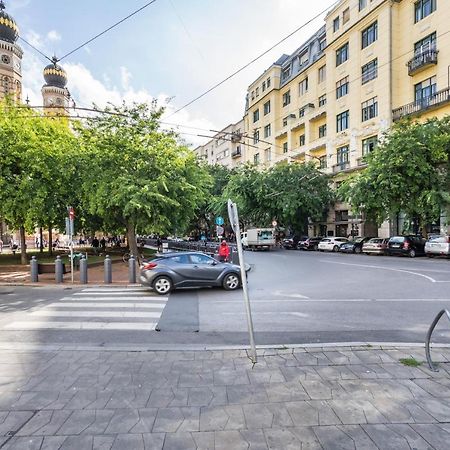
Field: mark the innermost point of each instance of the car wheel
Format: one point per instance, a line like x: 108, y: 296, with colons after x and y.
x: 315, y: 248
x: 231, y: 282
x: 412, y: 253
x: 336, y: 248
x: 162, y: 285
x: 358, y: 249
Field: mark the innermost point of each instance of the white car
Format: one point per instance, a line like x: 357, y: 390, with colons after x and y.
x: 438, y: 246
x: 331, y: 244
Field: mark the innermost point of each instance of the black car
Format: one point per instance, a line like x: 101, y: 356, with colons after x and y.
x: 309, y: 243
x: 406, y: 245
x: 354, y: 246
x: 291, y: 242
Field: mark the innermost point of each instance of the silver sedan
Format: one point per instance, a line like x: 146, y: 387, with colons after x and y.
x: 188, y: 269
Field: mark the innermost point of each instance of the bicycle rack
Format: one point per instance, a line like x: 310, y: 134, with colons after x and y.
x: 428, y: 338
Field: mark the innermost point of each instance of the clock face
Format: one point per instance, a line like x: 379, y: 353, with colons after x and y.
x: 17, y: 65
x: 59, y: 101
x: 6, y: 59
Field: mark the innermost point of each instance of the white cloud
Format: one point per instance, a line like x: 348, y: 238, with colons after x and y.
x: 125, y: 76
x: 35, y: 39
x: 53, y: 36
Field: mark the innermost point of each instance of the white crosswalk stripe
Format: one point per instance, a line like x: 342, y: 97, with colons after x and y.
x: 97, y: 309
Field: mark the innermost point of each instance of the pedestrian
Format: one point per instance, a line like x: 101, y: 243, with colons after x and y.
x: 103, y: 243
x: 1, y: 246
x: 95, y: 244
x: 224, y: 251
x: 159, y: 244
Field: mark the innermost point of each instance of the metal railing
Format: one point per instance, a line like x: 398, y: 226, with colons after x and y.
x: 423, y: 104
x: 341, y: 166
x: 422, y: 60
x: 428, y: 338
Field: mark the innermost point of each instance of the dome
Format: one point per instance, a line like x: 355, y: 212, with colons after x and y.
x: 9, y: 31
x: 55, y: 75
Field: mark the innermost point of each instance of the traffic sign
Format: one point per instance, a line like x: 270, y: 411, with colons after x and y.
x: 219, y: 230
x: 219, y: 220
x: 71, y: 212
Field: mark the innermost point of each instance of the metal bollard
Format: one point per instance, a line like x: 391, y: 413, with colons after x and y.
x: 34, y: 270
x: 83, y: 270
x: 132, y: 270
x: 58, y: 270
x: 108, y: 270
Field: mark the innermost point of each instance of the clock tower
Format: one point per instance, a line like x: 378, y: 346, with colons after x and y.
x: 10, y: 57
x: 54, y: 92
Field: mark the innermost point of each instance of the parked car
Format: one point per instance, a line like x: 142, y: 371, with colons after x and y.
x: 438, y: 246
x: 311, y: 243
x: 355, y: 245
x: 331, y: 244
x: 375, y: 246
x: 406, y: 245
x: 188, y: 269
x: 291, y: 242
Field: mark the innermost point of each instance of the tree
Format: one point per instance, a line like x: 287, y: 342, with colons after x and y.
x: 408, y: 173
x: 137, y: 177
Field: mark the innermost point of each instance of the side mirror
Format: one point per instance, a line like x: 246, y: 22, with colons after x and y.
x: 213, y: 262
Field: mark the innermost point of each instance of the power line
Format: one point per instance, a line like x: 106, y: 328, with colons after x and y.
x: 107, y: 29
x: 253, y: 60
x: 35, y: 49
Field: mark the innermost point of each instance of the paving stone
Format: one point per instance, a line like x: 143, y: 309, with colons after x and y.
x: 122, y: 421
x: 196, y: 379
x: 247, y: 394
x: 77, y: 443
x: 128, y: 441
x: 401, y: 411
x: 154, y: 441
x: 386, y: 437
x: 13, y: 421
x: 286, y: 392
x: 222, y: 418
x: 128, y: 398
x: 345, y: 437
x: 78, y: 421
x: 438, y: 408
x: 146, y: 421
x: 281, y: 416
x: 255, y: 439
x: 437, y: 388
x: 230, y: 377
x: 265, y: 376
x: 257, y: 416
x: 53, y: 442
x: 102, y: 420
x: 311, y: 413
x: 335, y: 373
x: 160, y: 398
x: 23, y: 443
x: 414, y: 439
x: 171, y: 420
x: 227, y: 440
x: 103, y: 442
x: 204, y: 440
x: 282, y: 439
x: 179, y: 441
x: 317, y: 390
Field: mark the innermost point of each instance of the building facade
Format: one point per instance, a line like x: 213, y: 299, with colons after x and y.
x: 226, y: 148
x: 373, y: 62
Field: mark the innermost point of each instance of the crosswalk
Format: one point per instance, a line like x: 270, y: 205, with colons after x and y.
x: 14, y: 276
x: 97, y: 309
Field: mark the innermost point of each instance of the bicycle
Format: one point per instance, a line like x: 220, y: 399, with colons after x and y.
x: 126, y: 257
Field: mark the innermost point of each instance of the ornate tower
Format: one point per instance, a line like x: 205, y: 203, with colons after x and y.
x: 54, y: 93
x: 10, y: 57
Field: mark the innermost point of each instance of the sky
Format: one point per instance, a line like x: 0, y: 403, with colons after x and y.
x: 172, y: 51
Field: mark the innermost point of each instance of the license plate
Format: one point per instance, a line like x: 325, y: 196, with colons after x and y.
x: 396, y: 245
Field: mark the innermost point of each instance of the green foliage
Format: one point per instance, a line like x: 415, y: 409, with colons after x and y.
x: 410, y: 362
x: 408, y: 172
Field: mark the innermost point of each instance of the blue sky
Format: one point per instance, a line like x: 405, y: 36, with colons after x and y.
x: 173, y: 49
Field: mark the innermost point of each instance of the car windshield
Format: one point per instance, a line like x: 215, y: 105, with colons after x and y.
x: 376, y: 241
x: 357, y: 240
x: 266, y: 234
x: 326, y: 240
x: 397, y: 239
x: 439, y: 239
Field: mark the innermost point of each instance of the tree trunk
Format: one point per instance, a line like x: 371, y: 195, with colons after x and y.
x: 23, y: 246
x: 50, y: 240
x: 41, y: 240
x: 132, y: 244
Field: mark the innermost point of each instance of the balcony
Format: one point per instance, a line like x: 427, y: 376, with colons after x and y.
x: 422, y: 60
x: 361, y: 162
x: 341, y: 167
x: 236, y: 153
x: 422, y: 105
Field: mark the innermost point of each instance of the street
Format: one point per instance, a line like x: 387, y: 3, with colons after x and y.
x: 297, y: 298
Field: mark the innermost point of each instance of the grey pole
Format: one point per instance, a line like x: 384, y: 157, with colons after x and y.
x: 58, y: 270
x: 132, y: 270
x: 34, y: 270
x: 108, y: 270
x: 83, y: 270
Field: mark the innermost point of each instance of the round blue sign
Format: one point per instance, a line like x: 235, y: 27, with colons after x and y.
x: 219, y: 220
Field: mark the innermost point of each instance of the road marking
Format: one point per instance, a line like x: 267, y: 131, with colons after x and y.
x: 100, y: 314
x: 112, y: 289
x: 336, y: 300
x: 267, y: 313
x: 386, y: 268
x: 283, y: 294
x: 131, y: 298
x: 112, y: 294
x: 82, y: 326
x: 105, y: 305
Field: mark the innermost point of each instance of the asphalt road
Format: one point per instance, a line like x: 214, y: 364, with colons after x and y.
x: 297, y: 297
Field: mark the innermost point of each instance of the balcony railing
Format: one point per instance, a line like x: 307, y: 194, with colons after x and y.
x: 431, y: 102
x: 341, y: 166
x: 422, y: 60
x: 236, y: 153
x: 361, y: 162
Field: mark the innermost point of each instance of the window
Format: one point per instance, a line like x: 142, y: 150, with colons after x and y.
x: 285, y: 121
x: 346, y: 15
x: 322, y: 74
x: 302, y: 140
x: 362, y: 4
x: 286, y: 73
x: 342, y: 54
x: 301, y: 112
x: 369, y: 145
x: 285, y: 147
x: 425, y: 45
x: 323, y: 162
x: 336, y: 24
x: 256, y: 158
x: 267, y: 131
x: 303, y: 58
x: 342, y: 156
x: 342, y: 121
x: 342, y: 215
x: 253, y: 95
x: 268, y: 154
x: 286, y: 98
x: 322, y: 100
x: 424, y: 90
x: 256, y: 115
x: 342, y: 87
x: 303, y: 86
x: 322, y: 43
x: 369, y: 35
x: 322, y: 130
x: 264, y: 86
x: 268, y: 83
x: 267, y: 108
x: 423, y: 8
x: 369, y: 109
x: 257, y: 92
x: 369, y: 71
x: 256, y: 137
x: 200, y: 259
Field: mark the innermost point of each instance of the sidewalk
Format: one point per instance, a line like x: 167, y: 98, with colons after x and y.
x: 302, y: 398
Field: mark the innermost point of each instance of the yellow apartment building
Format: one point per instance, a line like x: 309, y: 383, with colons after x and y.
x: 373, y: 62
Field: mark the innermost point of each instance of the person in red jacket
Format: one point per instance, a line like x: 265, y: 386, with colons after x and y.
x: 224, y: 251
